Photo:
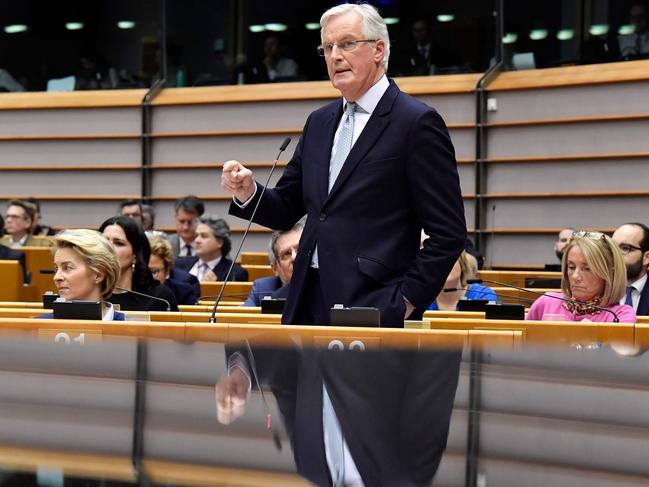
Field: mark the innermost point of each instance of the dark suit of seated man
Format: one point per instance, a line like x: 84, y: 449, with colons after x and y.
x: 281, y: 254
x: 212, y: 245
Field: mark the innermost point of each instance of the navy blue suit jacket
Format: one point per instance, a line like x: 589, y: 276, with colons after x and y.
x: 185, y: 287
x: 7, y: 253
x: 220, y: 269
x: 264, y: 286
x: 399, y: 177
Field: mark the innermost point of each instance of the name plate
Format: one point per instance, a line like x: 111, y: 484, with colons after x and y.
x: 346, y: 343
x: 69, y: 337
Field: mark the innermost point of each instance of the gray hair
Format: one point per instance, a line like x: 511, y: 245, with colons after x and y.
x: 374, y: 26
x: 272, y: 245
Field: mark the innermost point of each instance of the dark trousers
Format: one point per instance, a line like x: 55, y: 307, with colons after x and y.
x: 311, y: 309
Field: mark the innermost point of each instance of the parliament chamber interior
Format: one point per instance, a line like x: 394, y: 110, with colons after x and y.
x: 116, y: 106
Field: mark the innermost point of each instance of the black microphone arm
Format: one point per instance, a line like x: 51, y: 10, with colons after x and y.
x: 616, y: 318
x: 282, y: 148
x: 145, y: 296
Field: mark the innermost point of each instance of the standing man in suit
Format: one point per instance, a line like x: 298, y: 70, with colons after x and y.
x: 282, y: 251
x: 19, y: 219
x: 188, y: 210
x: 212, y: 245
x: 370, y: 171
x: 633, y: 239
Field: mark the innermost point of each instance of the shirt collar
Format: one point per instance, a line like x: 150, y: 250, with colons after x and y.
x: 210, y: 264
x: 367, y: 101
x: 109, y: 315
x: 20, y: 242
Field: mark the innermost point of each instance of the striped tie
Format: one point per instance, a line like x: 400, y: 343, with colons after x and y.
x: 344, y: 145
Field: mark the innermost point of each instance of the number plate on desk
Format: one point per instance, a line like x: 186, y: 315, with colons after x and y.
x: 346, y: 343
x: 69, y: 337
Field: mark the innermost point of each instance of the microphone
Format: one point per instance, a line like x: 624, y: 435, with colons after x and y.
x: 616, y: 318
x: 146, y: 296
x: 282, y: 148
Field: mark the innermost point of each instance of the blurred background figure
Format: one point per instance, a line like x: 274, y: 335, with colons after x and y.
x: 185, y: 287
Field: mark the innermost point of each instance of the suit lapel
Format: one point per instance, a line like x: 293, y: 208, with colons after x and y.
x: 377, y: 123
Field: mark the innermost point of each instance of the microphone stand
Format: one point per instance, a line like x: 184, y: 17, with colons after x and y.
x: 282, y: 148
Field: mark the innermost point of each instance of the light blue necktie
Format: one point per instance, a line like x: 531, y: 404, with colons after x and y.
x: 334, y: 436
x: 344, y: 146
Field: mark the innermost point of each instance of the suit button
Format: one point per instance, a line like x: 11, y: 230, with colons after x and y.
x: 323, y: 217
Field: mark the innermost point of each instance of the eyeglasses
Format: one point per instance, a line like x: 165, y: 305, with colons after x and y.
x: 16, y: 217
x: 628, y: 248
x: 583, y: 234
x: 325, y: 50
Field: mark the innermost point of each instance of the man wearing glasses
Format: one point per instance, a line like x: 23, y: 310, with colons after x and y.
x: 633, y: 239
x: 371, y: 171
x: 19, y: 218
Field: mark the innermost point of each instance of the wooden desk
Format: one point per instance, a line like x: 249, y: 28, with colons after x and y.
x: 515, y: 278
x: 234, y: 291
x: 11, y: 280
x: 255, y: 271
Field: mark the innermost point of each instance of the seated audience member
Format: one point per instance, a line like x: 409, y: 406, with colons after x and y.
x: 282, y: 251
x: 148, y: 223
x: 185, y: 287
x: 133, y: 252
x: 465, y: 268
x: 188, y: 210
x: 275, y: 65
x: 636, y: 44
x: 19, y: 219
x: 212, y: 246
x: 2, y: 226
x: 37, y: 227
x: 562, y: 241
x: 131, y: 209
x: 87, y: 269
x: 633, y: 240
x: 594, y: 277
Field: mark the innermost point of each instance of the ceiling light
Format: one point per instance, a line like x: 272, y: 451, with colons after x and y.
x: 74, y: 25
x: 312, y: 26
x: 598, y: 29
x: 538, y: 34
x: 125, y: 24
x: 510, y: 38
x: 257, y: 28
x: 445, y: 18
x: 626, y: 29
x: 391, y: 20
x: 565, y: 34
x: 15, y: 28
x: 275, y: 27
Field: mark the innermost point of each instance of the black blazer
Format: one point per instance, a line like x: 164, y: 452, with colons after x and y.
x: 643, y: 305
x: 400, y: 176
x: 185, y: 287
x: 220, y: 269
x: 7, y: 253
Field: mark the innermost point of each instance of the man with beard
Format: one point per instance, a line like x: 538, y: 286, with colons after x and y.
x: 562, y: 240
x: 633, y: 240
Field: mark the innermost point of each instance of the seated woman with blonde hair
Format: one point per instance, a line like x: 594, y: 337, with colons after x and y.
x: 465, y: 268
x: 185, y: 287
x: 593, y: 277
x: 86, y: 269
